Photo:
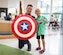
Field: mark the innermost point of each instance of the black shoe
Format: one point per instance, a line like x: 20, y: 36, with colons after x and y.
x: 19, y: 48
x: 28, y: 49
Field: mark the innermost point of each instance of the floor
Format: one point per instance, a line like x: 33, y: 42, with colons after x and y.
x: 53, y: 39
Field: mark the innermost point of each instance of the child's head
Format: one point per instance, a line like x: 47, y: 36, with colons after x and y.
x: 37, y: 12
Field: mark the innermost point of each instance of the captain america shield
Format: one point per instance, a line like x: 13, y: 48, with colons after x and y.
x: 24, y: 27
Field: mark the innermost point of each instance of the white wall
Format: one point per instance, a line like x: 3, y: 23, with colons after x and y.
x: 15, y: 4
x: 4, y: 3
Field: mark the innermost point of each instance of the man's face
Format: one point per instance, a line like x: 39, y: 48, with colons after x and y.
x: 29, y: 9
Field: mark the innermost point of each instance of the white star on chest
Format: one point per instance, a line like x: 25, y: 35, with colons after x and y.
x: 24, y: 26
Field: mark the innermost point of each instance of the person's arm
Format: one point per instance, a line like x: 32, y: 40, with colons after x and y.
x: 45, y: 20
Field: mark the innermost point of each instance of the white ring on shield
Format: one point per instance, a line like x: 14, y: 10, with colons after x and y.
x: 20, y: 34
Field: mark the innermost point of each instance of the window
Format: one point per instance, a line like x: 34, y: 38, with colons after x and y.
x: 44, y: 5
x: 47, y: 7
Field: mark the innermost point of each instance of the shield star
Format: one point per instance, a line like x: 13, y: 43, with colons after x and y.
x: 24, y: 26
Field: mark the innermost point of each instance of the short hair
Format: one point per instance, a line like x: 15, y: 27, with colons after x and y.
x: 37, y: 9
x: 29, y: 5
x: 9, y: 13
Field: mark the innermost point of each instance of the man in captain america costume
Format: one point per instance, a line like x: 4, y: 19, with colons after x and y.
x: 25, y: 26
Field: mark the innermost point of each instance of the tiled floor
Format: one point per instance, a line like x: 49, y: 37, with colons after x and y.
x: 53, y: 41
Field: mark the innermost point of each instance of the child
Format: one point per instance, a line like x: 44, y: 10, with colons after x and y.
x: 41, y: 20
